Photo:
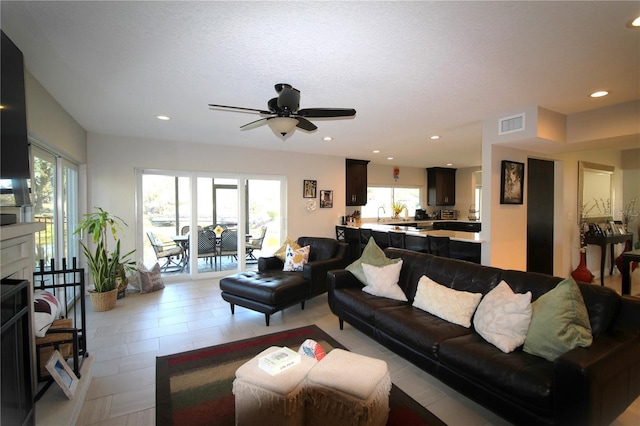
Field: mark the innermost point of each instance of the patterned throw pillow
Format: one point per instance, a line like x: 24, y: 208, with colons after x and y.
x: 503, y: 317
x: 382, y: 281
x: 46, y: 309
x: 280, y: 253
x: 451, y: 305
x: 296, y: 259
x: 151, y: 280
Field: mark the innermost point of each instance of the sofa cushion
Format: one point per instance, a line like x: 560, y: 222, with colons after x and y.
x: 419, y: 330
x: 383, y: 281
x: 503, y: 317
x: 462, y: 275
x: 452, y: 305
x: 372, y: 255
x: 294, y: 260
x: 559, y: 322
x: 515, y: 376
x: 362, y: 304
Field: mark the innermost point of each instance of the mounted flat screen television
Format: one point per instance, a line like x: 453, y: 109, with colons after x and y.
x: 14, y: 146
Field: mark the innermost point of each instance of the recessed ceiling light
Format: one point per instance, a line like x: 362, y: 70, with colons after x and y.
x: 389, y: 158
x: 599, y: 94
x: 434, y: 137
x: 635, y: 23
x: 163, y: 117
x: 449, y: 164
x: 327, y: 138
x: 376, y: 151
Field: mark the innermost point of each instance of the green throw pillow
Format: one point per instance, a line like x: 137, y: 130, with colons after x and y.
x: 559, y: 322
x: 371, y: 255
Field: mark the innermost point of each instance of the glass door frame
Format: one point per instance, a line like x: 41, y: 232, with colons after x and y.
x: 193, y: 176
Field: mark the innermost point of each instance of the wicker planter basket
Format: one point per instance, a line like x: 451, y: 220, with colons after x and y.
x: 104, y: 301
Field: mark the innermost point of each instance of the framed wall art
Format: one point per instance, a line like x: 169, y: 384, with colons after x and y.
x: 309, y: 188
x: 326, y: 199
x: 511, y: 182
x: 62, y: 374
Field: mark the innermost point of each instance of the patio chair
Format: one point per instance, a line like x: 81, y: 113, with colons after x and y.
x: 229, y: 243
x: 207, y: 247
x: 255, y: 244
x: 167, y: 250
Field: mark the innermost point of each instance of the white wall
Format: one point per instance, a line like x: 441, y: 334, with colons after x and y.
x: 112, y: 185
x: 50, y: 124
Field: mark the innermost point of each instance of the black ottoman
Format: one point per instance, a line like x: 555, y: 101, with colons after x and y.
x: 265, y: 292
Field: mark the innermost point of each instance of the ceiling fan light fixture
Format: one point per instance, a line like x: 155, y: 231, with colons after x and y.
x: 282, y: 125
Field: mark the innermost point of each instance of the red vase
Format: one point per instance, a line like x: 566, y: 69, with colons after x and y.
x: 627, y: 247
x: 582, y: 273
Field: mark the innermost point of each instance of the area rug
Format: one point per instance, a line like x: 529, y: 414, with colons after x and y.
x: 195, y: 387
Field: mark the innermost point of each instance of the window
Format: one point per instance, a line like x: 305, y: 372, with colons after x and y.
x: 379, y: 201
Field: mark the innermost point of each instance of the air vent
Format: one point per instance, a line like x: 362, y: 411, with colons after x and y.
x: 514, y: 123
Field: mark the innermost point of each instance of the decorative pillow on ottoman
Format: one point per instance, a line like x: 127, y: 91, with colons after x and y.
x: 150, y: 280
x: 295, y: 260
x: 503, y: 317
x: 46, y: 309
x: 371, y: 255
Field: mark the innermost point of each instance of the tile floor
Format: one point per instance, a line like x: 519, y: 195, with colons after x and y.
x: 190, y: 315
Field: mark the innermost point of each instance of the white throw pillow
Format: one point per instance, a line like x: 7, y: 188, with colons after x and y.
x: 294, y: 260
x: 503, y: 317
x: 383, y: 281
x: 452, y: 305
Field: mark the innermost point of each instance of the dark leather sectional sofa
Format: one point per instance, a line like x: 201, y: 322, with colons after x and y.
x: 586, y: 386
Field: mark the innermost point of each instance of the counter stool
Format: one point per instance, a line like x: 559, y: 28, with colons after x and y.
x: 348, y: 389
x: 266, y: 400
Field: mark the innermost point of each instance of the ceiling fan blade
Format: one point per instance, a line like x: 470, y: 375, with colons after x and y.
x: 326, y: 112
x: 289, y: 99
x: 240, y: 109
x: 273, y: 106
x: 305, y: 124
x: 281, y: 86
x: 254, y: 124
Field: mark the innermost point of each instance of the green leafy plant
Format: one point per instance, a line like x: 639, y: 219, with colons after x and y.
x: 104, y: 266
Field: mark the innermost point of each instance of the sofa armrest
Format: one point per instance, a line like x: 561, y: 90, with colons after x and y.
x: 271, y: 262
x: 316, y: 273
x: 596, y: 384
x: 342, y: 278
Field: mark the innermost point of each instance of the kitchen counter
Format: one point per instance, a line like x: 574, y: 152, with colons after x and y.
x: 473, y: 237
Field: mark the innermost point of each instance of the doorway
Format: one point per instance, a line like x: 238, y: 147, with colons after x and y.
x: 540, y: 213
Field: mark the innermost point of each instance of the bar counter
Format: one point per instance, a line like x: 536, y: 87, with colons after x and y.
x: 463, y: 245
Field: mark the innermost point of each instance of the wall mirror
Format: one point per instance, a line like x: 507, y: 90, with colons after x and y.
x: 595, y: 192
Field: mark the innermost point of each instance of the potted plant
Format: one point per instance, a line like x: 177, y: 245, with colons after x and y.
x: 104, y: 266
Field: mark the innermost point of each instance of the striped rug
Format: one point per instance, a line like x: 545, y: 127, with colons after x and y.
x: 194, y: 388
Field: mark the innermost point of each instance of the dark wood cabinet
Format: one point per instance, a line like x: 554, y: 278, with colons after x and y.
x: 441, y: 186
x: 356, y: 182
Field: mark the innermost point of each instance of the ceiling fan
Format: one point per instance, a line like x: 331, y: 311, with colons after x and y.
x: 283, y: 115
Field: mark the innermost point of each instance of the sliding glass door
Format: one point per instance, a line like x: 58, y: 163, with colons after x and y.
x: 220, y: 223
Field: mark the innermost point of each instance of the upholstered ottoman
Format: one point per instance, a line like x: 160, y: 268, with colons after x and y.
x: 262, y: 399
x: 266, y: 292
x: 348, y: 389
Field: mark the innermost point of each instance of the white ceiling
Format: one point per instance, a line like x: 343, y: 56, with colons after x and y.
x: 410, y: 69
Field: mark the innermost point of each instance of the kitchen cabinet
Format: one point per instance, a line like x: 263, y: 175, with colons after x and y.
x: 441, y: 186
x: 356, y: 172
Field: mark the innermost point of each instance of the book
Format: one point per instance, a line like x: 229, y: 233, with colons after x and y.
x: 279, y: 360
